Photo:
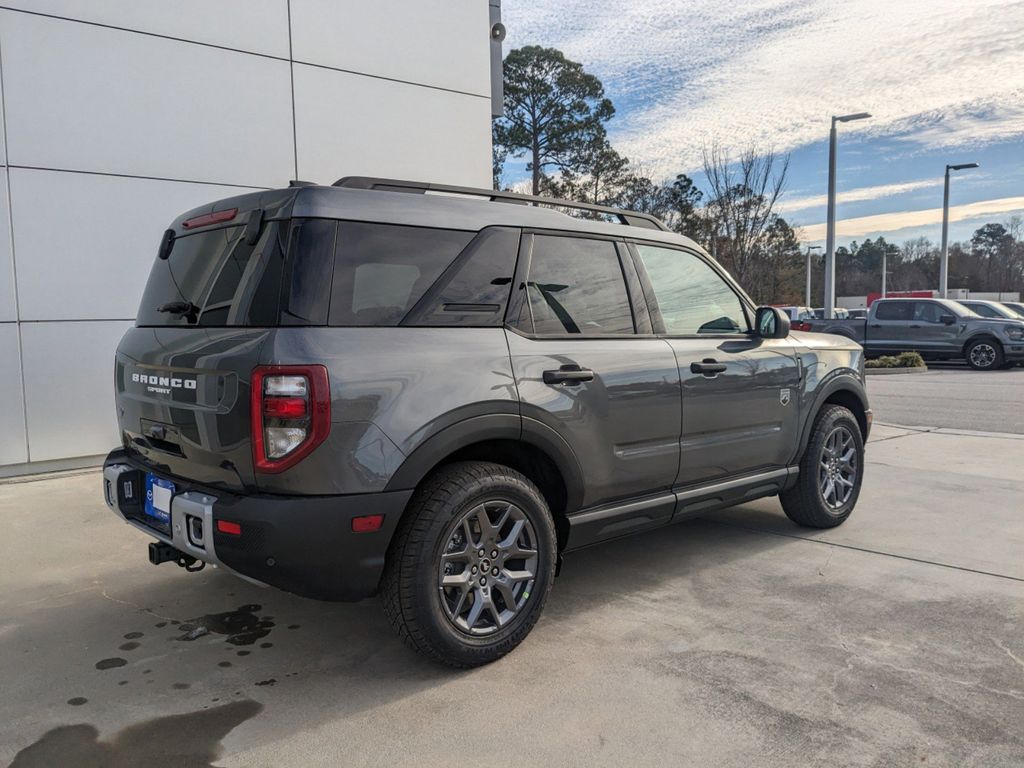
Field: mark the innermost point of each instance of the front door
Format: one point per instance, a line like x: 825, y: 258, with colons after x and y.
x: 582, y: 368
x: 740, y: 392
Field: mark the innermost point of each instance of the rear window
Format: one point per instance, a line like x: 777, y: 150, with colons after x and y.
x: 382, y: 270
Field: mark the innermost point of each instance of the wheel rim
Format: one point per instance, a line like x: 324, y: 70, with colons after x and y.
x: 837, y: 473
x: 487, y: 567
x: 983, y: 355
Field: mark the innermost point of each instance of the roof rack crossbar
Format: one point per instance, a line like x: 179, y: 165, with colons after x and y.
x: 628, y: 218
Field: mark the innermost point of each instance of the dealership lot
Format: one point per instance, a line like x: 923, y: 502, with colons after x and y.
x: 738, y: 639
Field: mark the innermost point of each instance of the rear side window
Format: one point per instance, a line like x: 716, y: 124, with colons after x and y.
x: 576, y: 286
x: 894, y: 310
x: 474, y: 290
x: 381, y: 270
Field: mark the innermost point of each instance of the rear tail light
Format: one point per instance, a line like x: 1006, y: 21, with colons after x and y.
x: 290, y: 412
x: 800, y: 325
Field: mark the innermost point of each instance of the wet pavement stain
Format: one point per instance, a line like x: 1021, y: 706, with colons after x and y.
x: 151, y: 742
x: 130, y: 646
x: 78, y: 701
x: 133, y: 635
x: 110, y: 663
x: 181, y: 686
x: 223, y: 663
x: 241, y: 626
x: 271, y: 681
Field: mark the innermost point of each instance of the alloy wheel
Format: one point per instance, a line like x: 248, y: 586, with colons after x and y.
x: 837, y: 472
x: 487, y: 567
x: 983, y: 355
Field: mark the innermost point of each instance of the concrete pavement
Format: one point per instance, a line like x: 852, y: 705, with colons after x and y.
x: 952, y: 395
x: 736, y: 640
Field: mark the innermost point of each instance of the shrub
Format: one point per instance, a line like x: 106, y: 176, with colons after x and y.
x: 903, y: 360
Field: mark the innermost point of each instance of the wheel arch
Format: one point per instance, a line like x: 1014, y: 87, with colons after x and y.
x: 844, y: 390
x: 981, y: 336
x: 526, y: 445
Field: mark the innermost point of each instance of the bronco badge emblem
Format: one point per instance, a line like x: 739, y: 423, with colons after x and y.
x: 784, y: 396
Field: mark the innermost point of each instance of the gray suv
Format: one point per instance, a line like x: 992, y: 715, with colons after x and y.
x: 434, y: 393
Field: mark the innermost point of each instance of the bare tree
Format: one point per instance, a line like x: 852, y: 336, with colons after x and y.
x: 742, y: 193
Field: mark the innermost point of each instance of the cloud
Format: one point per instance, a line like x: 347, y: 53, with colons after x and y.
x: 788, y: 205
x: 886, y: 223
x: 936, y: 73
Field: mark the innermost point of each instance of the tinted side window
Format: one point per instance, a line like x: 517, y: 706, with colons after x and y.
x: 983, y: 309
x: 893, y: 310
x: 693, y: 297
x: 310, y: 264
x: 474, y: 290
x: 576, y: 286
x: 382, y: 270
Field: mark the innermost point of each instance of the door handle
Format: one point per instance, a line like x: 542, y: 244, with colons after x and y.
x: 568, y: 374
x: 708, y: 366
x: 915, y: 326
x: 876, y: 325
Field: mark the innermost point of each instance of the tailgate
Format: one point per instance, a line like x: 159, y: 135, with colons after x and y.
x: 183, y: 401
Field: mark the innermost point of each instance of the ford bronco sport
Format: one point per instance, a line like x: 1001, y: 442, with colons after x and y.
x: 435, y: 392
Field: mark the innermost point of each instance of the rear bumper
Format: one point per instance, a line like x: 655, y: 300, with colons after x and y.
x: 301, y: 544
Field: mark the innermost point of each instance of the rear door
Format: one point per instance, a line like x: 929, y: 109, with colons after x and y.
x: 739, y: 392
x: 589, y: 369
x: 888, y: 327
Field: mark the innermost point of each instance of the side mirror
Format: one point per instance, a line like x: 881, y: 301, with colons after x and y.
x: 771, y: 323
x: 948, y: 319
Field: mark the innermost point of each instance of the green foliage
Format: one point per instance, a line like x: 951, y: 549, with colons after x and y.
x: 554, y: 112
x: 902, y: 360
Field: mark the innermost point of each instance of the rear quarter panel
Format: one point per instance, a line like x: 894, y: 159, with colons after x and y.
x: 391, y: 390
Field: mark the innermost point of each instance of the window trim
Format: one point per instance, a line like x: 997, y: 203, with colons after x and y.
x: 519, y: 300
x: 746, y: 305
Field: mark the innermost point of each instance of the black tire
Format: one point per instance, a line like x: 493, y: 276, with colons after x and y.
x: 414, y: 601
x: 805, y: 503
x: 984, y: 354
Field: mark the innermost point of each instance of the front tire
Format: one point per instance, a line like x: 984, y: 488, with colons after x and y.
x: 831, y: 471
x: 471, y: 564
x: 984, y: 355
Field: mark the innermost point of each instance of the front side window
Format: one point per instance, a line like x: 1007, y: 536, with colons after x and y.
x: 692, y: 297
x: 576, y: 286
x: 926, y: 312
x: 983, y: 309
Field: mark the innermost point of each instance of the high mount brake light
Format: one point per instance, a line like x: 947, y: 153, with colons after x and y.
x: 218, y: 217
x: 290, y: 413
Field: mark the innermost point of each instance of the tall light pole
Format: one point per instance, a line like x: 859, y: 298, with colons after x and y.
x: 830, y: 240
x: 944, y: 262
x: 885, y: 270
x: 807, y: 295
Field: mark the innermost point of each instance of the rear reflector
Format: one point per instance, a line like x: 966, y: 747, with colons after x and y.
x: 367, y: 523
x: 285, y: 407
x: 226, y: 526
x: 210, y: 218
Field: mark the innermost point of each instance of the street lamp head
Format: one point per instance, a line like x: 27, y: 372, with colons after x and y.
x: 961, y: 166
x: 855, y: 116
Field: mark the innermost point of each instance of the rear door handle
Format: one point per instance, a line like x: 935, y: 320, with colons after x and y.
x: 876, y: 325
x: 915, y: 326
x: 568, y: 374
x: 708, y: 366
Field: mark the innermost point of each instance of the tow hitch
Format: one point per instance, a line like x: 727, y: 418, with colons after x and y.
x: 165, y: 553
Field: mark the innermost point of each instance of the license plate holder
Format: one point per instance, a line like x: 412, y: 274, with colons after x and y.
x: 159, y: 493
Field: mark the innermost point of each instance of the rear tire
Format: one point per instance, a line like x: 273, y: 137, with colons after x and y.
x: 447, y: 600
x: 984, y: 355
x: 831, y: 471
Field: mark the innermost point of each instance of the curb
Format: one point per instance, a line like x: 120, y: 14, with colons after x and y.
x: 891, y: 371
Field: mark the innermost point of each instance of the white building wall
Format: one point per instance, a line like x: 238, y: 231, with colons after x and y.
x: 117, y: 115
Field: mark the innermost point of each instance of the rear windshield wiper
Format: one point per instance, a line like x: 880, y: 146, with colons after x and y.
x: 185, y: 308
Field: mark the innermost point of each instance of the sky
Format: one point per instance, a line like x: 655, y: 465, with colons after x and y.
x: 943, y: 80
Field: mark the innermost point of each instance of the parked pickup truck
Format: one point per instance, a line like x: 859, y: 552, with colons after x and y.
x: 937, y: 328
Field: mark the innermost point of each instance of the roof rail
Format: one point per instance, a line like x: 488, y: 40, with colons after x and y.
x: 629, y: 218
